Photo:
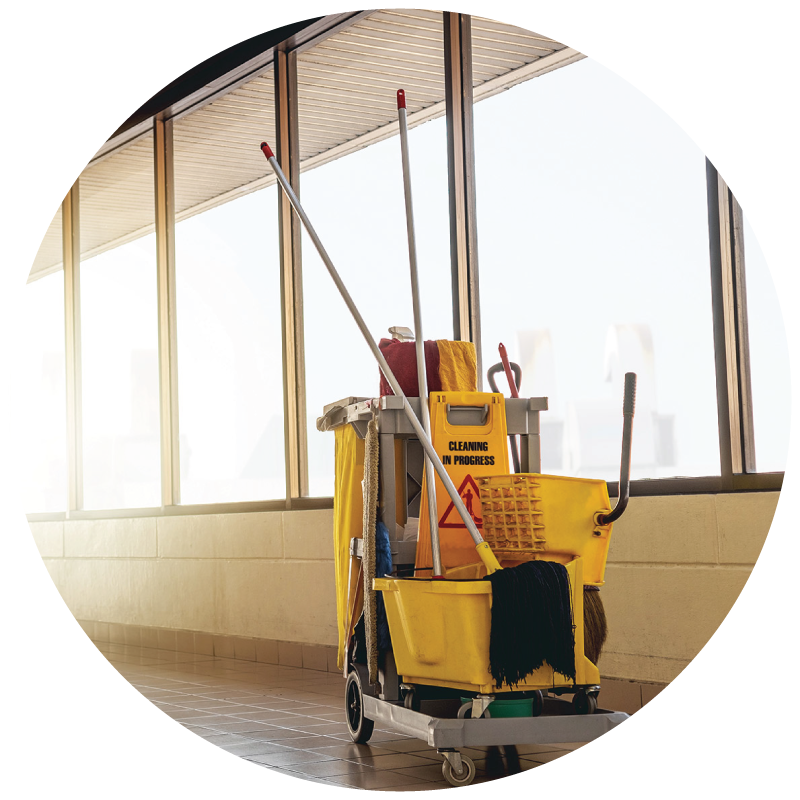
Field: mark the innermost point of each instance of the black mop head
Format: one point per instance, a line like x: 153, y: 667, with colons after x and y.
x: 531, y: 622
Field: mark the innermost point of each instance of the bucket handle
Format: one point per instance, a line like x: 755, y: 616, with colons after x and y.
x: 628, y: 409
x: 493, y: 370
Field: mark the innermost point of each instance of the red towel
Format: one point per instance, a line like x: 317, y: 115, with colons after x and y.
x: 402, y: 360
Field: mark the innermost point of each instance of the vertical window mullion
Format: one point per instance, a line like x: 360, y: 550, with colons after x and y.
x: 288, y: 155
x: 731, y: 347
x: 167, y: 326
x: 461, y: 177
x: 743, y: 372
x: 72, y: 345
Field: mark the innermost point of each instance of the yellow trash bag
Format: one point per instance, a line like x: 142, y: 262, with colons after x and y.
x: 347, y: 523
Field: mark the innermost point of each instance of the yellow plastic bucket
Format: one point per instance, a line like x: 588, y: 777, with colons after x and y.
x: 440, y: 634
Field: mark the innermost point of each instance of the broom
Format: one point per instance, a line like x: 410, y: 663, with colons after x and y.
x: 595, y: 625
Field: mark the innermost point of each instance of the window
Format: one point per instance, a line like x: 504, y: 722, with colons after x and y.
x: 593, y: 243
x: 227, y: 270
x: 592, y: 229
x: 769, y: 360
x: 119, y: 332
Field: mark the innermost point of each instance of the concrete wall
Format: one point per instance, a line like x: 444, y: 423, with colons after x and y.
x: 676, y: 566
x: 264, y: 575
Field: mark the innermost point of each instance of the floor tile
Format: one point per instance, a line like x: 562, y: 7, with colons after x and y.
x: 394, y: 761
x: 374, y: 780
x: 290, y: 720
x: 326, y: 769
x: 291, y: 757
x: 254, y: 748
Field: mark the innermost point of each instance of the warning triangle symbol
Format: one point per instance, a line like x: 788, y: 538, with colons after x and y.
x: 468, y: 492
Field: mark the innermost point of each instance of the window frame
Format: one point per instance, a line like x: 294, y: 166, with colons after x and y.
x: 726, y: 261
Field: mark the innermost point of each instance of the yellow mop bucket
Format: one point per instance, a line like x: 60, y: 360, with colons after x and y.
x: 440, y: 633
x: 531, y: 516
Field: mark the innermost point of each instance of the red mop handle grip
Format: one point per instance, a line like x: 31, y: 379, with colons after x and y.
x: 267, y: 150
x: 401, y: 98
x: 507, y: 367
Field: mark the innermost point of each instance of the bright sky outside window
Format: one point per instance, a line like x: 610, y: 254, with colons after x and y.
x: 119, y: 331
x: 121, y: 441
x: 356, y: 205
x: 769, y: 360
x: 45, y: 465
x: 594, y: 261
x: 230, y: 376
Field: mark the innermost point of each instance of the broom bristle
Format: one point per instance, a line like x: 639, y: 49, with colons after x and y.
x: 595, y: 626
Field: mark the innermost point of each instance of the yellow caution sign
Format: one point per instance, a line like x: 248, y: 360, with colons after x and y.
x: 469, y: 434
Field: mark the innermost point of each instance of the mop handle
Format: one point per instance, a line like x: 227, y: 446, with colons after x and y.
x: 507, y: 367
x: 484, y: 551
x: 419, y: 339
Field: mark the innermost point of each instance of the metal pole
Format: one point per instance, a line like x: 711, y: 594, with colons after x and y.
x: 419, y: 340
x: 483, y: 548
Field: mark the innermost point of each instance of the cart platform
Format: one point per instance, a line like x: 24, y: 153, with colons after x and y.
x: 446, y: 734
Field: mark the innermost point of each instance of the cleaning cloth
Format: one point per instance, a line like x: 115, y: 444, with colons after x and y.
x: 449, y: 366
x: 531, y: 622
x: 402, y: 360
x: 458, y: 366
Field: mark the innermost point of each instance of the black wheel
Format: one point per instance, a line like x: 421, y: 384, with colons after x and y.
x: 463, y: 778
x: 511, y: 755
x: 537, y: 704
x: 584, y: 703
x: 359, y: 727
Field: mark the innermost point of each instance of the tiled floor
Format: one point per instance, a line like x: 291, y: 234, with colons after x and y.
x: 290, y: 720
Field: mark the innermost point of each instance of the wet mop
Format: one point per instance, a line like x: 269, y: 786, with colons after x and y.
x: 531, y: 622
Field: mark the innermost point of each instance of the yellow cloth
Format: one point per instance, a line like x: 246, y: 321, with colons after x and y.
x: 347, y: 523
x: 458, y: 366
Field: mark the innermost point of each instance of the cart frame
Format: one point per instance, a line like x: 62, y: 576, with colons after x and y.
x: 560, y: 721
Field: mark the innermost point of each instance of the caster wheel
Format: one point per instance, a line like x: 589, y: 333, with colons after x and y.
x: 583, y: 703
x: 411, y: 700
x: 465, y: 777
x: 537, y: 704
x: 358, y: 726
x: 465, y: 712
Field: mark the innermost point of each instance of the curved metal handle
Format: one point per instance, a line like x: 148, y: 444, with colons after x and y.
x: 515, y: 368
x: 628, y: 410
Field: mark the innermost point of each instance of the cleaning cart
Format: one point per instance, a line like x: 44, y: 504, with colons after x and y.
x: 434, y: 681
x: 415, y: 638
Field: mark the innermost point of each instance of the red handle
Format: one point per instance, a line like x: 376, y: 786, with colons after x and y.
x: 267, y: 150
x: 507, y: 368
x: 401, y: 98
